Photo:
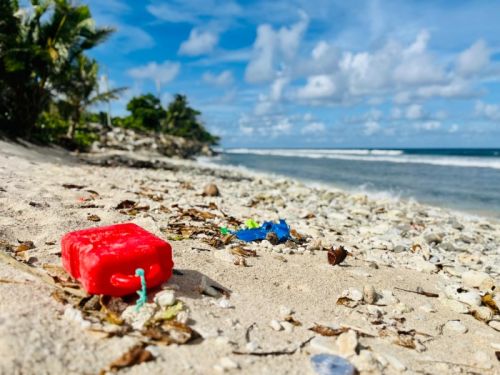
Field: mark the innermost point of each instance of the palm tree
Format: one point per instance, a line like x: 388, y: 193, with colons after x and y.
x: 80, y: 89
x: 182, y: 121
x: 37, y: 46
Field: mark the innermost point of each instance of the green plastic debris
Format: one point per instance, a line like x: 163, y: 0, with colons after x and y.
x: 251, y: 224
x: 172, y: 311
x: 224, y: 231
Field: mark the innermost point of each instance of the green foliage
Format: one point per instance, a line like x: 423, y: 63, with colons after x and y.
x: 51, y: 127
x: 37, y: 47
x: 182, y: 121
x: 146, y: 113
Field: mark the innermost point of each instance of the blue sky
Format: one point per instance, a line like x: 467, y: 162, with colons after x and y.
x: 315, y: 73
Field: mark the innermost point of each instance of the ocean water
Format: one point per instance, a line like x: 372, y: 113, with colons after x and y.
x: 462, y: 179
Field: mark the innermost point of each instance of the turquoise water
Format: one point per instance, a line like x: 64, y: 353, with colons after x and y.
x: 463, y: 179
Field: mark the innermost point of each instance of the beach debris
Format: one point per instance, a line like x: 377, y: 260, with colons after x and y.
x: 126, y: 204
x: 420, y: 291
x: 135, y: 355
x: 489, y: 301
x: 73, y: 186
x: 348, y: 302
x: 337, y: 255
x: 169, y: 332
x: 329, y: 364
x: 211, y: 190
x: 482, y: 313
x: 155, y: 255
x: 327, y: 330
x: 113, y: 307
x: 239, y: 251
x: 278, y: 352
x: 280, y: 230
x: 24, y: 246
x: 251, y: 224
x: 94, y: 218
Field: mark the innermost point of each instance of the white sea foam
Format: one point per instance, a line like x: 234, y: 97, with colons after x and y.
x: 391, y: 156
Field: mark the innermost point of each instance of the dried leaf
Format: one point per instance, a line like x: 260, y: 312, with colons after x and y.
x: 24, y: 246
x: 50, y: 243
x: 125, y: 204
x: 292, y: 320
x: 113, y: 308
x: 419, y: 291
x: 243, y: 252
x: 337, y: 255
x: 93, y: 218
x: 346, y: 301
x: 406, y: 341
x: 73, y: 186
x: 134, y: 356
x: 272, y: 237
x: 488, y: 300
x: 327, y: 331
x: 309, y: 215
x: 170, y: 332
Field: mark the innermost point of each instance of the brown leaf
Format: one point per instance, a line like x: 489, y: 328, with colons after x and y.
x: 292, y: 320
x: 309, y: 215
x: 406, y: 341
x: 113, y: 308
x: 25, y: 246
x: 243, y: 252
x: 73, y: 186
x: 488, y: 300
x: 337, y: 255
x: 134, y: 356
x: 346, y: 301
x: 272, y: 237
x: 327, y: 331
x: 171, y: 332
x: 93, y: 218
x: 126, y: 204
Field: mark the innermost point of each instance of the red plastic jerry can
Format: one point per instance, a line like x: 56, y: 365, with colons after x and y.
x: 104, y: 259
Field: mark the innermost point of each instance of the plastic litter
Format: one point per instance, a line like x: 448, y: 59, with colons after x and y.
x: 105, y: 259
x: 141, y: 292
x: 251, y: 224
x: 281, y: 229
x: 329, y: 364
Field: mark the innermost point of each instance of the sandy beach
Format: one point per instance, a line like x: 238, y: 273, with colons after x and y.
x: 415, y: 286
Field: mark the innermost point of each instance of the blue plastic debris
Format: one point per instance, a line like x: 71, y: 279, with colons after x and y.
x: 328, y: 364
x: 281, y: 229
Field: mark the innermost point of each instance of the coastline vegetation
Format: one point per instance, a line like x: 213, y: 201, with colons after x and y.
x: 49, y: 85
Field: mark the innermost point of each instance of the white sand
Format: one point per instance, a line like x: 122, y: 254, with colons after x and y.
x: 36, y: 339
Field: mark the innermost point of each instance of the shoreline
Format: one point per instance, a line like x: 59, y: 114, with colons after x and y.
x: 394, y: 244
x: 374, y: 195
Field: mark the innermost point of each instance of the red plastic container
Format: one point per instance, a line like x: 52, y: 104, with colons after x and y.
x: 104, y: 259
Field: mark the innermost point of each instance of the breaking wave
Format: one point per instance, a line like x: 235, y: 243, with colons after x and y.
x: 390, y: 156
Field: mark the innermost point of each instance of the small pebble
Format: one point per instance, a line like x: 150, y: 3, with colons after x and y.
x: 347, y: 343
x: 455, y: 326
x: 328, y: 364
x: 274, y: 324
x: 369, y: 294
x: 165, y: 298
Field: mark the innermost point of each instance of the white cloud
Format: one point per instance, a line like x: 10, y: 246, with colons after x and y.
x: 224, y: 78
x: 317, y: 87
x: 453, y: 128
x: 488, y: 111
x: 272, y: 47
x: 414, y: 112
x: 473, y: 59
x: 428, y: 125
x: 199, y: 43
x: 313, y: 128
x: 371, y: 127
x: 193, y: 11
x: 158, y: 73
x: 308, y: 117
